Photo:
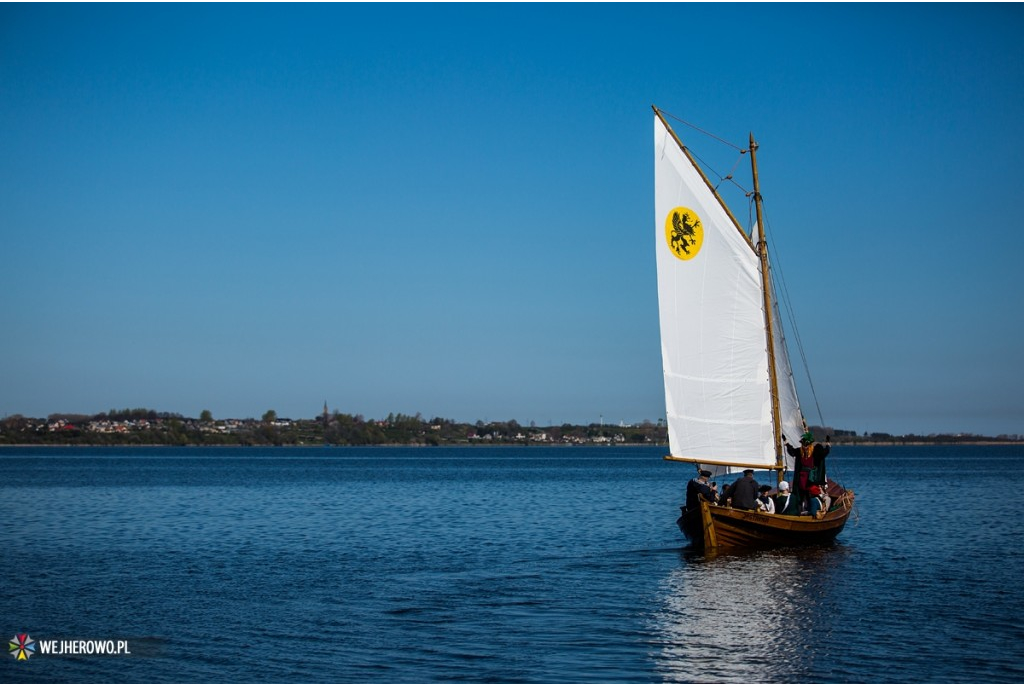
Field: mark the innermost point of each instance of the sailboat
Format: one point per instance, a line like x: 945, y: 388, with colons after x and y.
x: 730, y: 396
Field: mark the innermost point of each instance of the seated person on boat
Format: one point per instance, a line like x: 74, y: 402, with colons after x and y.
x: 786, y: 502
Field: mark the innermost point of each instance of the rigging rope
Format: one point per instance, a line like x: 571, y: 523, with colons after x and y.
x: 721, y: 179
x: 697, y: 128
x: 703, y: 162
x: 729, y: 177
x: 784, y: 292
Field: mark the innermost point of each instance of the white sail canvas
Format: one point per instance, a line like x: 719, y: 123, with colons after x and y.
x: 714, y: 347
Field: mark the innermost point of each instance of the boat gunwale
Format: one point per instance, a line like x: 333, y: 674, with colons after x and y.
x: 716, y: 521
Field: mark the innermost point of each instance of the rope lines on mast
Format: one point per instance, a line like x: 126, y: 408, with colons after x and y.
x: 708, y: 134
x: 711, y: 169
x: 727, y: 177
x: 787, y: 303
x: 790, y: 315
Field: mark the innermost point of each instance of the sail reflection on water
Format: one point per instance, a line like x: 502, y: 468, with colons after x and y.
x: 746, y: 618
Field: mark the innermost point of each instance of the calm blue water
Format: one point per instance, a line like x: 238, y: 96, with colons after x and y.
x: 499, y: 565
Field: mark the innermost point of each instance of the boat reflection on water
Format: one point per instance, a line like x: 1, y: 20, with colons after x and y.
x: 750, y: 617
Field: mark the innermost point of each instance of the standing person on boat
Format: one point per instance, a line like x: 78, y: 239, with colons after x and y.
x: 785, y: 502
x: 744, y: 491
x: 698, y: 488
x: 810, y: 464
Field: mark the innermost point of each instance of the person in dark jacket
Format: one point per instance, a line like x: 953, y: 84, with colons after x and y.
x: 786, y: 502
x: 698, y: 489
x: 810, y: 464
x: 744, y: 492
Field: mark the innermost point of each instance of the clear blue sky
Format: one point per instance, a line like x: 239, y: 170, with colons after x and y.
x: 448, y: 209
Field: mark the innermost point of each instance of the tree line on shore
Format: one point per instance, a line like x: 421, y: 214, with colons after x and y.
x: 149, y: 427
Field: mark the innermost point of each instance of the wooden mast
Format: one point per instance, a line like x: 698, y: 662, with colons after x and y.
x: 762, y: 253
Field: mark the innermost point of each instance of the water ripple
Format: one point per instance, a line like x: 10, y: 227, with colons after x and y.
x: 505, y: 565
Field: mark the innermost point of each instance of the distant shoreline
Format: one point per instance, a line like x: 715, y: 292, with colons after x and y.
x: 500, y: 445
x: 150, y: 428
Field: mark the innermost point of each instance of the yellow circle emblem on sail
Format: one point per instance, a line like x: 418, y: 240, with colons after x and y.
x: 684, y: 233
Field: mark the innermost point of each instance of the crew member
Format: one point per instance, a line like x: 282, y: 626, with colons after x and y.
x: 810, y: 464
x: 698, y: 488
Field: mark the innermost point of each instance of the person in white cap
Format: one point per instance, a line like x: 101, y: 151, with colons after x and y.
x: 785, y: 502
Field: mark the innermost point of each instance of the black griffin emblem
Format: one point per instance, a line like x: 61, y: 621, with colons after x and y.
x: 684, y: 234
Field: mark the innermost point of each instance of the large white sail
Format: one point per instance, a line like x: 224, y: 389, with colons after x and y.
x: 713, y: 342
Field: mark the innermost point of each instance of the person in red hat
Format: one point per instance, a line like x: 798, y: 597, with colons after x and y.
x: 816, y: 507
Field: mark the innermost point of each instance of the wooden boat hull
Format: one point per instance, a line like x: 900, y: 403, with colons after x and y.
x: 717, y: 527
